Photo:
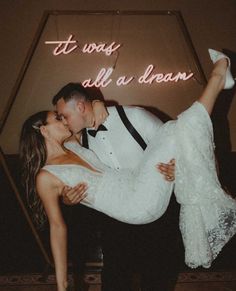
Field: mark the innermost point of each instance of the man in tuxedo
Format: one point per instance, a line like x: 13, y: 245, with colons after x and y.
x: 120, y: 143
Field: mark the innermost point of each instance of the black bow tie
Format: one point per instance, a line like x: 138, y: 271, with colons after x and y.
x: 93, y: 132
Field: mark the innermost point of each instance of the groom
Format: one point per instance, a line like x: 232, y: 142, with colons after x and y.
x: 120, y: 143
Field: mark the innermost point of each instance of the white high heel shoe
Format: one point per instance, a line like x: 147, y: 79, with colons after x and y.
x: 216, y: 56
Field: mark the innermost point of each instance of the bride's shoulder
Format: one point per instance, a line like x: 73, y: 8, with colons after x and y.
x: 45, y: 180
x: 43, y: 177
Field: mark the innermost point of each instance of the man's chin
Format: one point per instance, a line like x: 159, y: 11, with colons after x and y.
x: 69, y: 136
x: 77, y: 131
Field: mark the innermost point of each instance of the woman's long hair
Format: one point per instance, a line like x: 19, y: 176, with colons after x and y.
x: 33, y: 155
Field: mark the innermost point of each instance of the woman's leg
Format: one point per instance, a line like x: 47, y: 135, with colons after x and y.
x: 208, y: 215
x: 215, y: 84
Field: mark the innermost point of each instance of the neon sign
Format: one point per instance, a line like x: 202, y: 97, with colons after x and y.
x: 68, y: 46
x: 103, y: 78
x: 148, y: 77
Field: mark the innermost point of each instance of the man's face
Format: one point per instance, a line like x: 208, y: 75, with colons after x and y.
x: 71, y: 115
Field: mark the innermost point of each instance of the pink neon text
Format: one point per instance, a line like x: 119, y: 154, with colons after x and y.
x: 67, y: 46
x: 149, y: 77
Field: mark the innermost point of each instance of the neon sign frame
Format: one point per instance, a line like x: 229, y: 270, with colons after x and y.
x: 123, y: 80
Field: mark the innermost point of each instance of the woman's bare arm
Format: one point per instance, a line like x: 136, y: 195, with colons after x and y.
x: 100, y: 112
x: 48, y: 190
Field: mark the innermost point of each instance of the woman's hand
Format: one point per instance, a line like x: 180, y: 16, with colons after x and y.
x: 100, y: 112
x: 167, y: 170
x: 62, y: 287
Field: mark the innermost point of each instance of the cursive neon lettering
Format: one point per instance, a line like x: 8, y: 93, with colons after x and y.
x: 89, y: 48
x: 168, y: 77
x: 110, y: 49
x: 102, y: 80
x: 123, y: 80
x: 102, y: 47
x: 63, y: 47
x: 143, y: 78
x: 181, y: 76
x: 149, y: 77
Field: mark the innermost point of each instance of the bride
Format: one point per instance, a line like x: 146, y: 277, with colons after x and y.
x: 208, y: 214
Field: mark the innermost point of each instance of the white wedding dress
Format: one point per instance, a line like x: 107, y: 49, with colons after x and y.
x: 208, y: 214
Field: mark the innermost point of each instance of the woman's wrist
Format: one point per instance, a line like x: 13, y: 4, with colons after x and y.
x: 62, y: 286
x: 95, y: 101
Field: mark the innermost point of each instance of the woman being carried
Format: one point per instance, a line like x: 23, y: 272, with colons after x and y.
x: 208, y: 215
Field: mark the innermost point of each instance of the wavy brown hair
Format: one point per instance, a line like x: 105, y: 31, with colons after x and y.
x: 33, y: 155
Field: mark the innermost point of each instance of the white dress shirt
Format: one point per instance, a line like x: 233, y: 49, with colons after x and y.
x: 116, y: 147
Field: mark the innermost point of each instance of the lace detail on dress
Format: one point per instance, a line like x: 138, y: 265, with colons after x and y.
x: 223, y: 232
x: 208, y: 214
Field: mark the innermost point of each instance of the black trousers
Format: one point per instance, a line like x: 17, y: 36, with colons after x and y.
x: 149, y: 254
x: 153, y: 251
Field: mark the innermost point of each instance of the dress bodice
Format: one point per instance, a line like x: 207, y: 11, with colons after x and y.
x: 73, y: 174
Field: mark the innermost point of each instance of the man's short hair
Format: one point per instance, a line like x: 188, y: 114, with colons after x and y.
x: 71, y: 91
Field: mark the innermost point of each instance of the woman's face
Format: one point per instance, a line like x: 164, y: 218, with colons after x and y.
x: 55, y: 127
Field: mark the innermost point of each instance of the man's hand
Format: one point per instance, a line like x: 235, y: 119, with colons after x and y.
x: 168, y: 170
x: 74, y: 195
